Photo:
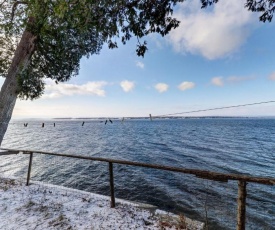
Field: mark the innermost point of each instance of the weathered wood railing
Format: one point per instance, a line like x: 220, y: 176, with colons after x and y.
x: 204, y: 174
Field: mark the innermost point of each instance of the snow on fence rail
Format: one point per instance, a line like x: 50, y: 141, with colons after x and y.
x: 204, y: 174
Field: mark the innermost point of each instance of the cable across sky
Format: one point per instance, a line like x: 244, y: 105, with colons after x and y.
x: 218, y: 108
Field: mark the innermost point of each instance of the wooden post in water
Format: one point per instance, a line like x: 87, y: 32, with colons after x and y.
x: 29, y: 170
x: 112, y: 191
x: 241, y: 205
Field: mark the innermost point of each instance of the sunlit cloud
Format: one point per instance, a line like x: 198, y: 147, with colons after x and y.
x: 272, y: 76
x: 213, y: 33
x: 53, y: 90
x: 186, y: 85
x: 161, y: 87
x: 127, y: 86
x: 217, y: 81
x: 140, y: 64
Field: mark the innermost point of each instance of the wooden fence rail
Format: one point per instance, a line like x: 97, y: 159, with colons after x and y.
x: 204, y: 174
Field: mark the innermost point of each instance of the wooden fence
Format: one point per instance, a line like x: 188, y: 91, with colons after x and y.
x: 204, y: 174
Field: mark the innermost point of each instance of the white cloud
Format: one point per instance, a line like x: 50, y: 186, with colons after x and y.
x: 140, y: 64
x: 127, y: 85
x: 53, y: 90
x: 272, y: 76
x: 218, y: 81
x: 234, y: 79
x: 221, y: 81
x: 214, y: 32
x: 186, y: 85
x: 161, y: 87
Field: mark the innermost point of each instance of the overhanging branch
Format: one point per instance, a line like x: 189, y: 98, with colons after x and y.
x: 14, y: 7
x: 1, y: 4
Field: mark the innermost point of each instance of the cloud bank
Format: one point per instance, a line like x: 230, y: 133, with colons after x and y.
x: 214, y: 32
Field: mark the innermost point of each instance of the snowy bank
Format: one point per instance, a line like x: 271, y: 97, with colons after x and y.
x: 44, y: 206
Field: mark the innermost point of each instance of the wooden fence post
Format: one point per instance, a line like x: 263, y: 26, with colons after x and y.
x: 29, y: 169
x: 241, y: 205
x: 112, y: 191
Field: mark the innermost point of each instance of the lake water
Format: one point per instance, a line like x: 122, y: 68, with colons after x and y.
x: 224, y: 145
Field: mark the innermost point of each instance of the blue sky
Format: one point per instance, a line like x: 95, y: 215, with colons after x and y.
x: 221, y: 56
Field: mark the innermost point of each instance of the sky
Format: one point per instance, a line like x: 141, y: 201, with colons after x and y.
x: 220, y: 56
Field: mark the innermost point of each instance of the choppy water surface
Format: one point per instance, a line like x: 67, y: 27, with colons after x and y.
x: 222, y: 145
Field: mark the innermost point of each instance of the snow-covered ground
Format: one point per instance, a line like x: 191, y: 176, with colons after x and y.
x: 44, y: 206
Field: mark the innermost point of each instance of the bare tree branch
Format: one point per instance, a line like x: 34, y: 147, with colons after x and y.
x: 14, y: 7
x: 3, y: 3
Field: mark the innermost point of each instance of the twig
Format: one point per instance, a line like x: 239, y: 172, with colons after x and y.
x: 3, y: 3
x: 14, y: 7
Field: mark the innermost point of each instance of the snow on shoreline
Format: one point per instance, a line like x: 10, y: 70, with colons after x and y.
x: 44, y: 206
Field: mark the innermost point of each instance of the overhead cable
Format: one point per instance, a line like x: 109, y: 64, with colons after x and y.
x: 218, y: 108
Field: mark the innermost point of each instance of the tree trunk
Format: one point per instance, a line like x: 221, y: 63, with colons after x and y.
x: 9, y: 89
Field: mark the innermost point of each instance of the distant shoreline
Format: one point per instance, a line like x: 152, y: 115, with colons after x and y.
x: 129, y: 118
x: 146, y: 118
